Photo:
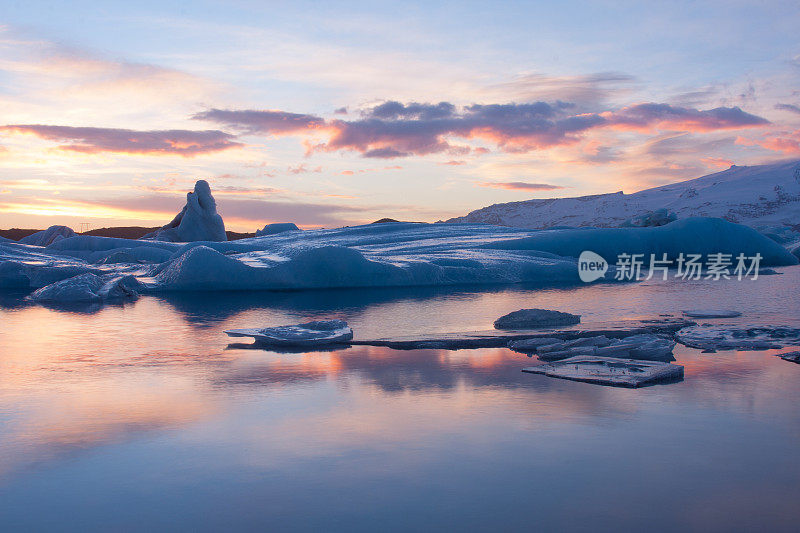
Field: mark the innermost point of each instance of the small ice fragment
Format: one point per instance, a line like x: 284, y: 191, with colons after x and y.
x: 712, y: 313
x: 609, y: 371
x: 315, y: 333
x: 535, y: 318
x: 793, y: 357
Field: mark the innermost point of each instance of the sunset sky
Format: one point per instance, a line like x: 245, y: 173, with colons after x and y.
x: 327, y: 115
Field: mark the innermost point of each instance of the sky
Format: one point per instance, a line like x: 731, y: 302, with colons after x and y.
x: 332, y: 114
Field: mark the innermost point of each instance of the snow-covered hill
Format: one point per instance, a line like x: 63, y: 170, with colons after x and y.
x: 765, y: 196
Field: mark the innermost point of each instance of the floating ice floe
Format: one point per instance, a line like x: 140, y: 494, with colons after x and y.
x: 712, y: 313
x: 320, y: 332
x: 88, y: 288
x: 197, y: 221
x: 793, y: 357
x: 729, y: 337
x: 535, y: 318
x: 501, y: 338
x: 645, y: 346
x: 609, y: 371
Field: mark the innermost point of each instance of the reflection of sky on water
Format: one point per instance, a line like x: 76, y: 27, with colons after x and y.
x: 139, y: 416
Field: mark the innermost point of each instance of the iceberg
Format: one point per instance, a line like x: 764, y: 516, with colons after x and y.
x: 197, y: 221
x: 535, y: 318
x: 609, y: 371
x: 317, y: 333
x: 48, y: 236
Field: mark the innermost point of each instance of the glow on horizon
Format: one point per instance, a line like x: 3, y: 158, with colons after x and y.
x: 329, y: 117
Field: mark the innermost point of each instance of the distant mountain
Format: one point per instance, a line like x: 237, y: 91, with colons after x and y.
x: 124, y: 232
x: 764, y: 196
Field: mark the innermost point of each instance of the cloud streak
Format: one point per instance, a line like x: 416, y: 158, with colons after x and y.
x: 520, y: 186
x: 262, y: 122
x: 89, y: 140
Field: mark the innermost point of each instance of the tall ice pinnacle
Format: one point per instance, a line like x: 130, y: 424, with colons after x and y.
x: 197, y: 221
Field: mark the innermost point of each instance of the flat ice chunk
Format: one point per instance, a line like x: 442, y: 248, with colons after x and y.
x: 88, y: 288
x: 533, y: 345
x: 48, y: 236
x: 197, y: 221
x: 728, y: 337
x: 712, y: 313
x: 316, y: 333
x: 609, y: 371
x: 535, y: 318
x: 277, y: 227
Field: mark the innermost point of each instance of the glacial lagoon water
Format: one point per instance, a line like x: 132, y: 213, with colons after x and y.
x: 146, y: 416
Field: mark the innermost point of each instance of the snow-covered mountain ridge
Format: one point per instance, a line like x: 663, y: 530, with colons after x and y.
x: 763, y: 196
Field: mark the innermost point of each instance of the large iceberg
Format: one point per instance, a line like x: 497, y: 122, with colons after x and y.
x: 197, y: 221
x: 379, y: 255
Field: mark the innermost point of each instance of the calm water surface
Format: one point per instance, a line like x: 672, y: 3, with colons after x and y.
x: 142, y: 417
